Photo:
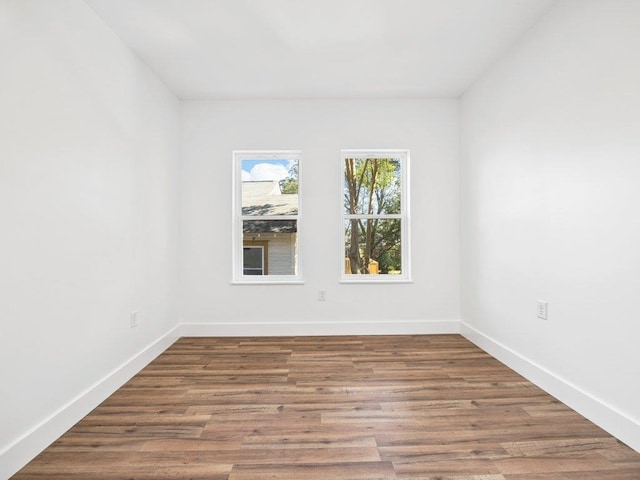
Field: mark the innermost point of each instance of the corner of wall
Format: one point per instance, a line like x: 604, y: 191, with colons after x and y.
x: 594, y: 409
x: 24, y: 449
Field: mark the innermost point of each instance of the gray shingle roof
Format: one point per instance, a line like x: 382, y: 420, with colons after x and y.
x: 265, y: 198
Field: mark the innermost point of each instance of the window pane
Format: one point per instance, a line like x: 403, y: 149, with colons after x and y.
x: 253, y: 257
x: 372, y: 186
x: 270, y: 187
x: 372, y: 247
x: 279, y: 242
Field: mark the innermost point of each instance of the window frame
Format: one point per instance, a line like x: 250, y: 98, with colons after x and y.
x: 237, y: 267
x: 405, y: 239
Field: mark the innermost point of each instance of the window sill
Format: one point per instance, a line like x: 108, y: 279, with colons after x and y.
x: 372, y: 281
x: 268, y: 282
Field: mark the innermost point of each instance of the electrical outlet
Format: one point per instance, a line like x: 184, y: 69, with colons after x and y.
x: 322, y: 296
x: 542, y: 309
x: 133, y: 319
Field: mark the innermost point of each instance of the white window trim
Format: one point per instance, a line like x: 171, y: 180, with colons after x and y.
x: 405, y: 227
x: 238, y: 278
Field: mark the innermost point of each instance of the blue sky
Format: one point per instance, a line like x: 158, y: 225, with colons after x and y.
x: 263, y: 169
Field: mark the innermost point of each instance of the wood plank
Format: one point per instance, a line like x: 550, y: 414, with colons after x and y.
x: 345, y: 471
x: 332, y: 408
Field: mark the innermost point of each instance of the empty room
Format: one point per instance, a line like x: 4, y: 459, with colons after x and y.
x: 325, y: 240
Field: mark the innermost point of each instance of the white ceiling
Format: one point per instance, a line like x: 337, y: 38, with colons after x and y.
x: 206, y: 49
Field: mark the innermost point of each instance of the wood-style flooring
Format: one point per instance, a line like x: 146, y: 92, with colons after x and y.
x: 332, y: 408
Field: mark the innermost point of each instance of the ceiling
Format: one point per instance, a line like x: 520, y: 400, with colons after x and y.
x: 219, y: 49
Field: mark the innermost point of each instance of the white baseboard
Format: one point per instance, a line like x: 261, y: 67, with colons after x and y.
x: 24, y: 449
x: 599, y: 412
x: 236, y: 329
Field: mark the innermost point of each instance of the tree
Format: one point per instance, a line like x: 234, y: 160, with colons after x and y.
x: 372, y: 187
x: 353, y: 182
x: 290, y: 183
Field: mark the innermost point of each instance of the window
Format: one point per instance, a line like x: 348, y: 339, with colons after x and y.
x: 266, y: 213
x: 254, y: 259
x: 375, y: 216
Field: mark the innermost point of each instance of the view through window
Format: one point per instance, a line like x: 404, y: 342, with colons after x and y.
x: 375, y: 215
x: 266, y: 213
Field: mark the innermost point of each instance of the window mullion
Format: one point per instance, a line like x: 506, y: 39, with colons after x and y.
x: 388, y: 216
x: 248, y: 218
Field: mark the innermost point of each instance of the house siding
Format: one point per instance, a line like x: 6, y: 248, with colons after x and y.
x: 281, y: 252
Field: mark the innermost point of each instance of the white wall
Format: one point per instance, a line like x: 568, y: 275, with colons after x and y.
x: 550, y: 203
x: 89, y: 208
x: 88, y: 152
x: 320, y: 129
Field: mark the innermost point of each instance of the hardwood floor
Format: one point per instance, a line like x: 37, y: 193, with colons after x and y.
x: 332, y: 408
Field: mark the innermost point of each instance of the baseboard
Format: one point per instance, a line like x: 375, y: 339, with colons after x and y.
x: 243, y: 329
x: 23, y: 450
x: 599, y: 412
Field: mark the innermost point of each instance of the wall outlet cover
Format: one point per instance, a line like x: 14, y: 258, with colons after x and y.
x: 542, y: 309
x: 133, y: 319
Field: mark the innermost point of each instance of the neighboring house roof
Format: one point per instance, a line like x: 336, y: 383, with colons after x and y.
x: 265, y: 198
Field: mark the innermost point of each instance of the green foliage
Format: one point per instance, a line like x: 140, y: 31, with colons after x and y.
x: 372, y: 187
x: 290, y: 183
